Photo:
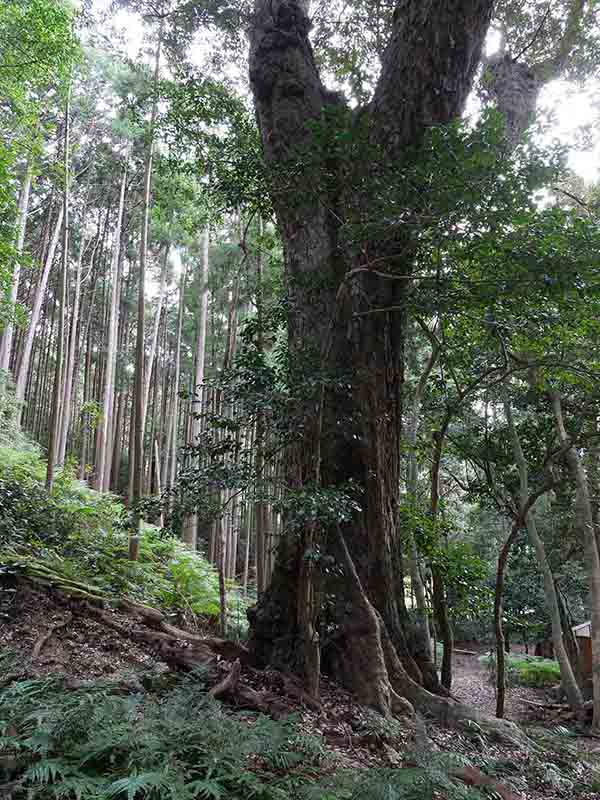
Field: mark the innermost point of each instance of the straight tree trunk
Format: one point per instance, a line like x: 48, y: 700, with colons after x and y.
x: 116, y: 448
x: 440, y: 605
x: 411, y: 490
x: 173, y: 439
x: 70, y: 360
x: 592, y: 551
x: 137, y: 452
x: 23, y: 210
x: 157, y: 318
x: 568, y: 679
x: 190, y: 525
x: 87, y: 377
x: 59, y: 375
x: 260, y: 511
x: 38, y: 298
x: 104, y: 453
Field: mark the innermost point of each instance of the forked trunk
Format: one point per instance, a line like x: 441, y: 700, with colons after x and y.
x: 347, y: 318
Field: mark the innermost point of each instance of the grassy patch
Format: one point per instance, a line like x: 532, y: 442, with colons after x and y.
x: 528, y: 670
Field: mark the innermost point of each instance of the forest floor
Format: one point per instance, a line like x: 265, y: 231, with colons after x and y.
x: 48, y: 638
x: 473, y: 683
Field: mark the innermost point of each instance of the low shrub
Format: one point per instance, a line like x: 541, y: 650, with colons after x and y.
x: 527, y: 670
x: 82, y: 536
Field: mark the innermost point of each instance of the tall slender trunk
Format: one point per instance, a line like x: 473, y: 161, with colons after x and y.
x: 38, y: 298
x: 190, y: 525
x: 104, y: 453
x: 592, y: 550
x: 137, y: 453
x: 87, y: 378
x: 157, y: 318
x: 60, y: 345
x: 23, y: 209
x: 440, y: 604
x: 115, y: 455
x: 70, y: 360
x: 260, y: 512
x: 411, y: 490
x: 172, y: 446
x: 567, y: 675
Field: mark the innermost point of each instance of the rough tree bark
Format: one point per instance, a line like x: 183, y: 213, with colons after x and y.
x: 428, y: 67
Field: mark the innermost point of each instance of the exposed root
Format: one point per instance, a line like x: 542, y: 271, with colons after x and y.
x: 45, y: 638
x: 229, y: 682
x: 471, y: 776
x: 383, y: 683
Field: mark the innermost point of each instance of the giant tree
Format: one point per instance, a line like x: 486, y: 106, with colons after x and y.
x: 347, y: 315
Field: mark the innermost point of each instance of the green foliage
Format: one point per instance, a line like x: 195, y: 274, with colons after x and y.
x: 426, y: 779
x: 37, y: 49
x: 79, y: 538
x: 528, y: 670
x: 90, y: 743
x: 11, y: 434
x: 464, y: 572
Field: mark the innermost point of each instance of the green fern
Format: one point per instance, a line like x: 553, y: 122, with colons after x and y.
x: 422, y: 782
x: 180, y: 744
x: 89, y: 744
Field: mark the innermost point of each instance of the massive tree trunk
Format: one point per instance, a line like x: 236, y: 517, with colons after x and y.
x: 347, y: 316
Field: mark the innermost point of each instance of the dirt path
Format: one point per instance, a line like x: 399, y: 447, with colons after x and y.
x: 473, y: 682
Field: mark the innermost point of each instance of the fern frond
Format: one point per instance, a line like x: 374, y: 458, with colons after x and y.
x: 143, y: 782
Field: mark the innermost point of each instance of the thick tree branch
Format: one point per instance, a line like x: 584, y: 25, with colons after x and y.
x: 428, y: 66
x: 553, y: 66
x: 286, y: 84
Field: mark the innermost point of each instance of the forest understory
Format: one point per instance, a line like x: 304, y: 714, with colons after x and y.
x: 299, y: 392
x: 49, y: 636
